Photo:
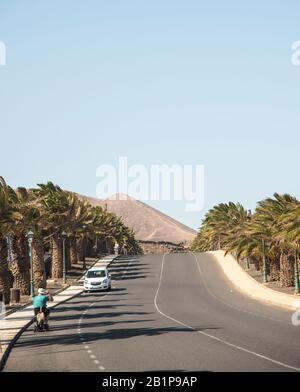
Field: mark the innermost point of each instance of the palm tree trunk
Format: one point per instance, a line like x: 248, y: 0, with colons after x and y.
x: 286, y: 270
x: 90, y: 250
x: 274, y: 270
x: 38, y: 264
x: 80, y: 249
x: 57, y: 258
x: 102, y: 245
x: 73, y: 251
x: 68, y: 255
x: 5, y: 274
x: 257, y: 264
x: 20, y: 266
x: 108, y: 246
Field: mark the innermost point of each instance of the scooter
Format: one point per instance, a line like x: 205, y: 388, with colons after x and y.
x: 41, y: 323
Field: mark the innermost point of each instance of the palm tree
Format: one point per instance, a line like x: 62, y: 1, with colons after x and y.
x: 221, y: 226
x: 7, y: 218
x: 275, y: 223
x: 48, y: 211
x: 270, y: 217
x: 82, y: 216
x: 30, y: 216
x: 6, y: 278
x: 79, y: 216
x: 288, y: 235
x: 19, y: 263
x: 64, y: 212
x: 55, y: 207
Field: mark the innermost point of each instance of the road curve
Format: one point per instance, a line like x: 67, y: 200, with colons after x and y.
x: 172, y: 312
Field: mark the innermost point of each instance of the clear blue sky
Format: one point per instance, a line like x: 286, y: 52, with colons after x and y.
x: 182, y: 81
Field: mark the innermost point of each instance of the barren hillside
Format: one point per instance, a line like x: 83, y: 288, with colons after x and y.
x: 147, y: 222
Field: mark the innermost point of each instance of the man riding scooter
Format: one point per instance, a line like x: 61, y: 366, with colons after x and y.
x: 40, y: 309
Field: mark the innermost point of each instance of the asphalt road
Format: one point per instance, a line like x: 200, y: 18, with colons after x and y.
x: 173, y: 312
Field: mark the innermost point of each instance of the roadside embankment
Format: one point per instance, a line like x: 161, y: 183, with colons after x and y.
x: 250, y: 286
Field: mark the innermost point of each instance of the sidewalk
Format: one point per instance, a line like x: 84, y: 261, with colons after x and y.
x: 54, y: 286
x: 12, y: 325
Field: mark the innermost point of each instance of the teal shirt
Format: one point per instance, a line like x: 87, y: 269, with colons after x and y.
x: 40, y: 301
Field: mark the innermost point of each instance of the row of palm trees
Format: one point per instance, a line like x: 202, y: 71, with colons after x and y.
x: 269, y: 238
x: 51, y: 213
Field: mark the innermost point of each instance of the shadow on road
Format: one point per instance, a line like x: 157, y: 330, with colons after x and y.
x: 95, y: 316
x: 111, y: 334
x: 129, y: 268
x: 175, y: 371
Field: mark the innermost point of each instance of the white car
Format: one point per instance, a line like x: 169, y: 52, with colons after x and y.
x: 97, y: 278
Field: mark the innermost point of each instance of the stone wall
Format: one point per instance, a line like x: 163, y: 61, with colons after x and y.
x: 160, y: 247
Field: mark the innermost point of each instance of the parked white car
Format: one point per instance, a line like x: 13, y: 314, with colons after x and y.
x: 97, y: 278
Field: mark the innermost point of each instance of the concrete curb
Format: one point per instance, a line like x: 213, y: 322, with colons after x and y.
x: 249, y: 286
x: 5, y: 353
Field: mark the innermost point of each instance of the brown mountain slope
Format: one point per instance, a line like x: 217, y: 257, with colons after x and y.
x: 148, y: 223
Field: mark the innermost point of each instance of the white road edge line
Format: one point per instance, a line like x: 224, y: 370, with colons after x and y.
x: 211, y: 336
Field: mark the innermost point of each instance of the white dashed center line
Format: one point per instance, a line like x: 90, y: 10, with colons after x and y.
x: 87, y: 347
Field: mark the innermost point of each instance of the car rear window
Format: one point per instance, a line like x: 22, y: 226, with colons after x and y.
x: 96, y: 274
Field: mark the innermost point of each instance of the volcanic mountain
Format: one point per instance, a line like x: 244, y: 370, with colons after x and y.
x: 148, y: 223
